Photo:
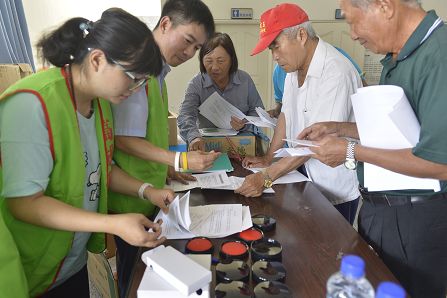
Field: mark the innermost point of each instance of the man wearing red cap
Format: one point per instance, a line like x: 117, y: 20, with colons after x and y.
x: 317, y: 88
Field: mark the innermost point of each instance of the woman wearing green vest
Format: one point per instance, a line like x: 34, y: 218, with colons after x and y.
x: 57, y: 145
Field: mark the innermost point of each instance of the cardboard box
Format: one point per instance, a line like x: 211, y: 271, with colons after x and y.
x: 101, y: 276
x: 244, y: 142
x: 10, y: 73
x: 172, y: 123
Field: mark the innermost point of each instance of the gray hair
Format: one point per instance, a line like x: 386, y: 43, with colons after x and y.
x: 292, y: 32
x: 365, y: 3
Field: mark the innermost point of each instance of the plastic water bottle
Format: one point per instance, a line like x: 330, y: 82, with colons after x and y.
x: 350, y: 281
x: 389, y: 289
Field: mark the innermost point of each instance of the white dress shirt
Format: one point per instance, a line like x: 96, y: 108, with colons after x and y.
x: 324, y: 96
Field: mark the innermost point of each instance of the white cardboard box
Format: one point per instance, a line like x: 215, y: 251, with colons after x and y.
x: 153, y: 285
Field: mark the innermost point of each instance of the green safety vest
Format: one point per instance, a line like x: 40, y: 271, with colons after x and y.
x: 43, y: 250
x: 148, y: 171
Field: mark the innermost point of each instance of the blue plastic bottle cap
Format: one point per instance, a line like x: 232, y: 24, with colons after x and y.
x: 389, y: 289
x: 352, y: 266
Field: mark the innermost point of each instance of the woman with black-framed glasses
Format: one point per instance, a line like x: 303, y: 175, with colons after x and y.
x: 57, y: 145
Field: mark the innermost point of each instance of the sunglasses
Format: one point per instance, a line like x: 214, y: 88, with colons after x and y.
x: 136, y: 83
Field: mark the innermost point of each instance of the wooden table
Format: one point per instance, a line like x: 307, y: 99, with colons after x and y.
x: 312, y: 232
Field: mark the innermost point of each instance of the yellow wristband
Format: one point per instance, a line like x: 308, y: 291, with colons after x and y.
x: 185, y: 161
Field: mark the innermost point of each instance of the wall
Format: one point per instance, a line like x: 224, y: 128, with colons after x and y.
x: 44, y: 15
x: 221, y: 9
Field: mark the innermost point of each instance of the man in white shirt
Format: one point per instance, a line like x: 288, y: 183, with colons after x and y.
x: 318, y: 86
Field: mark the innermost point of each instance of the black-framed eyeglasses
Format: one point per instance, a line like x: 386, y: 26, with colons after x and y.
x: 136, y: 83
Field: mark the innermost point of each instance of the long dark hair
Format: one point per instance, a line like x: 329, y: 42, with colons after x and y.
x: 219, y: 39
x: 120, y: 35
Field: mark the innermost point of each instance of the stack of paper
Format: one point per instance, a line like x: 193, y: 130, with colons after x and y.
x: 386, y: 120
x: 214, y: 221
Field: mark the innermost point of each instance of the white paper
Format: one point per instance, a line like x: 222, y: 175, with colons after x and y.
x: 257, y: 121
x: 207, y: 180
x: 219, y: 111
x: 386, y: 120
x: 212, y: 221
x: 265, y: 117
x: 298, y: 151
x: 305, y: 143
x: 237, y: 182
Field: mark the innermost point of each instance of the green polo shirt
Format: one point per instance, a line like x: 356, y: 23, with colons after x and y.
x: 421, y: 70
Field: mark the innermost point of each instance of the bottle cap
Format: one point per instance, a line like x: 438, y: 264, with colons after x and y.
x: 266, y: 249
x: 199, y: 245
x: 264, y: 222
x: 250, y: 235
x: 234, y: 249
x: 352, y: 266
x: 234, y: 289
x: 235, y: 270
x: 272, y: 289
x: 268, y: 271
x: 389, y: 289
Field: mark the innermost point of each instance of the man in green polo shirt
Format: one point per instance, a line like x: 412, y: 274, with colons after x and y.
x: 408, y: 228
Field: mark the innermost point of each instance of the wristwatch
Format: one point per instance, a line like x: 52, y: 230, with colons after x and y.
x: 350, y: 162
x: 268, y: 182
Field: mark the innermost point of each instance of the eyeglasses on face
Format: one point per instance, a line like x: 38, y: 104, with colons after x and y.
x: 136, y: 83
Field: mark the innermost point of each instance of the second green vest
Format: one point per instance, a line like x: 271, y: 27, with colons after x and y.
x: 148, y: 171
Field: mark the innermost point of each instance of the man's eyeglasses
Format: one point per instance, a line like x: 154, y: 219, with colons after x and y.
x: 136, y: 83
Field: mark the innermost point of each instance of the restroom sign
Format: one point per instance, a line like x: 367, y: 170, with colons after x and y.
x: 242, y: 13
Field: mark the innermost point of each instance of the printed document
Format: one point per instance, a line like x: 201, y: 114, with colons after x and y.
x: 219, y: 111
x: 214, y: 221
x: 207, y: 180
x: 386, y: 120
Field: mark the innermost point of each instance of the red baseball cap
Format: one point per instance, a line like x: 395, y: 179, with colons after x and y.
x: 274, y: 20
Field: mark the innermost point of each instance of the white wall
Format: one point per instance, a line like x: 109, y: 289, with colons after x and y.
x: 44, y: 15
x: 318, y: 10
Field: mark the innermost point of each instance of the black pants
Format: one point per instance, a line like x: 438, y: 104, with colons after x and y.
x: 348, y: 209
x: 74, y: 287
x: 412, y: 241
x: 126, y: 257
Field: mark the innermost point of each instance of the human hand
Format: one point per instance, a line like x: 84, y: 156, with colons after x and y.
x: 182, y: 177
x: 160, y: 197
x: 256, y: 162
x: 198, y: 144
x: 274, y: 113
x: 237, y: 124
x: 319, y: 130
x: 330, y: 151
x: 133, y: 228
x: 199, y: 160
x: 253, y: 185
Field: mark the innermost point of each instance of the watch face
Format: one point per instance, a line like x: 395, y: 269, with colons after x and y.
x: 268, y: 183
x: 350, y: 164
